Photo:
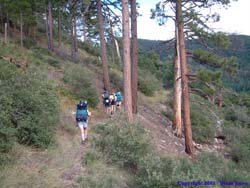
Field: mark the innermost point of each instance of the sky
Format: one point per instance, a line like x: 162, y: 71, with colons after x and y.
x: 234, y: 19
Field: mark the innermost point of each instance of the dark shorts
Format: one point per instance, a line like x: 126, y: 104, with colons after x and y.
x: 106, y: 102
x: 113, y: 102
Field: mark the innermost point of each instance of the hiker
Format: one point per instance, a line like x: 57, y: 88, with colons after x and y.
x: 82, y: 115
x: 119, y: 99
x: 106, y: 102
x: 112, y: 98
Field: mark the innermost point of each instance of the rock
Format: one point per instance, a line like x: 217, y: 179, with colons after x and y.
x: 164, y: 141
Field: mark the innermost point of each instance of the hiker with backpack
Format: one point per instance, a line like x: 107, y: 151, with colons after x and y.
x: 119, y: 99
x: 82, y: 115
x: 106, y: 102
x: 112, y: 98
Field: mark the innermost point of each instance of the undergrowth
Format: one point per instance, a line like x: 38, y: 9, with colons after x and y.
x: 126, y: 145
x: 29, y: 108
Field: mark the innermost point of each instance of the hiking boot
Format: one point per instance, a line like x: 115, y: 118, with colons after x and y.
x: 83, y: 141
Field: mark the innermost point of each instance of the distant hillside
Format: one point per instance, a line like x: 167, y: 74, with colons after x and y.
x: 239, y: 47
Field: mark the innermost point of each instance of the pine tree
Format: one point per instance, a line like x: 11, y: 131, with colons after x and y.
x: 126, y: 61
x: 134, y: 56
x: 195, y: 27
x: 104, y: 59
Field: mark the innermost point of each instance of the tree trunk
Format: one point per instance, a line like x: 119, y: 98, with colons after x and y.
x: 113, y: 41
x: 59, y: 29
x: 104, y: 60
x: 220, y: 100
x: 115, y: 45
x: 185, y: 89
x: 34, y: 27
x: 1, y: 16
x: 21, y: 29
x: 177, y: 88
x: 5, y: 32
x: 84, y: 33
x: 46, y: 26
x: 83, y: 27
x: 134, y: 56
x: 50, y: 24
x: 126, y: 61
x: 75, y: 34
x: 73, y: 52
x: 72, y: 14
x: 118, y: 51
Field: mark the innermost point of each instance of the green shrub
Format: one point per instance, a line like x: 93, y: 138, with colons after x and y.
x: 88, y: 47
x: 204, y: 118
x: 239, y: 141
x: 116, y: 80
x: 161, y: 172
x: 29, y: 43
x: 203, y: 130
x: 148, y: 83
x: 80, y: 82
x: 29, y: 108
x: 238, y: 115
x: 53, y: 62
x: 100, y: 175
x: 154, y: 171
x: 124, y: 143
x: 91, y: 157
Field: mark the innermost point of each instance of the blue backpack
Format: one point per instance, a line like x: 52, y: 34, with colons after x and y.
x: 81, y: 113
x: 119, y: 96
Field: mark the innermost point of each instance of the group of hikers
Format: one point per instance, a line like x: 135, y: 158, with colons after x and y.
x: 111, y: 101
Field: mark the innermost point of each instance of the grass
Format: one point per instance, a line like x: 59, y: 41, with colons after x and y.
x: 100, y: 174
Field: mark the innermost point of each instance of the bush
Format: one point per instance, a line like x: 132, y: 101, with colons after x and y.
x: 100, y: 175
x: 80, y: 82
x: 238, y: 115
x: 148, y: 83
x: 161, y: 172
x: 53, y: 62
x: 154, y: 171
x: 116, y: 80
x: 29, y: 108
x: 205, y: 118
x: 239, y: 141
x: 124, y: 143
x: 88, y: 47
x: 203, y: 130
x: 29, y: 43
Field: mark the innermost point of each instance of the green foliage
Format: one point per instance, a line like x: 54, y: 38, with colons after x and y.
x: 239, y: 48
x: 122, y: 142
x: 148, y: 83
x: 29, y: 108
x: 161, y: 172
x: 29, y: 43
x: 204, y: 117
x: 220, y: 40
x: 53, y: 62
x: 208, y: 84
x: 80, y: 81
x: 168, y: 75
x: 238, y: 115
x: 88, y: 47
x: 100, y: 175
x: 239, y: 141
x: 154, y: 172
x: 229, y: 65
x: 116, y: 79
x: 91, y: 157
